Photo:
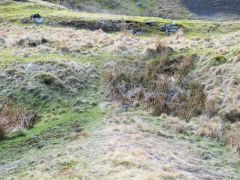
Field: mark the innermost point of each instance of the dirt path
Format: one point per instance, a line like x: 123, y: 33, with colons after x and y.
x: 128, y: 146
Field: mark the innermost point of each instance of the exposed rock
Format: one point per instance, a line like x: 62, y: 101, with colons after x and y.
x: 134, y: 30
x: 78, y: 110
x: 108, y: 26
x: 125, y: 106
x: 169, y: 28
x: 136, y: 104
x: 105, y: 25
x: 81, y: 102
x: 139, y: 3
x: 37, y: 18
x: 174, y: 23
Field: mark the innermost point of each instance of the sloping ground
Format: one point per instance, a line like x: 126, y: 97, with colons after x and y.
x: 57, y: 70
x: 175, y: 9
x: 213, y: 7
x: 68, y: 40
x: 156, y: 8
x: 129, y: 146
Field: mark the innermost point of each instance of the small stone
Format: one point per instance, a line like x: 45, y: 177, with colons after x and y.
x: 125, y: 106
x: 62, y: 112
x: 37, y: 18
x: 148, y: 22
x: 197, y: 39
x: 173, y: 30
x: 168, y: 26
x: 174, y: 27
x: 93, y: 104
x: 162, y: 27
x: 78, y: 130
x: 136, y: 104
x: 139, y: 3
x: 81, y: 102
x: 78, y: 110
x: 138, y: 33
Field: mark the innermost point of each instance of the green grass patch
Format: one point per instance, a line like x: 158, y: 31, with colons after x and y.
x: 47, y: 133
x: 217, y: 60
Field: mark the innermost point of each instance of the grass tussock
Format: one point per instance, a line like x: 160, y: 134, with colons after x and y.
x: 185, y: 65
x: 156, y: 48
x: 232, y: 136
x: 161, y: 85
x: 2, y: 133
x: 211, y: 128
x: 13, y: 117
x: 66, y: 40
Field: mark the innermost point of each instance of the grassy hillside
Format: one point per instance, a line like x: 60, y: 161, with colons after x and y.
x: 155, y: 8
x: 175, y: 9
x: 80, y: 103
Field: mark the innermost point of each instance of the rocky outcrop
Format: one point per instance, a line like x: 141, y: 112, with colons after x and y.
x: 134, y: 27
x: 107, y: 25
x: 169, y: 28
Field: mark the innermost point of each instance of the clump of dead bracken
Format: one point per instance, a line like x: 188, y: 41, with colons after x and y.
x: 161, y: 84
x: 14, y: 118
x: 166, y: 86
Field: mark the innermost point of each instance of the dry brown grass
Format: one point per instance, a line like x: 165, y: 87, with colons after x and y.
x: 237, y: 59
x: 2, y: 133
x: 117, y: 81
x: 211, y: 128
x: 35, y: 40
x: 198, y: 99
x: 185, y: 65
x: 128, y: 147
x: 157, y: 48
x: 232, y: 136
x: 13, y: 117
x: 156, y: 84
x: 160, y: 46
x: 221, y: 85
x: 211, y: 107
x: 179, y: 34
